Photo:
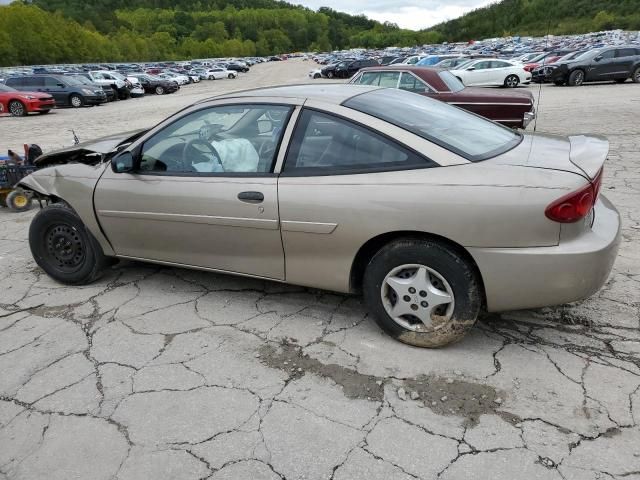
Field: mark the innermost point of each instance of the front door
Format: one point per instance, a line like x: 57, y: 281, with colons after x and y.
x: 56, y: 89
x: 602, y: 67
x: 203, y: 194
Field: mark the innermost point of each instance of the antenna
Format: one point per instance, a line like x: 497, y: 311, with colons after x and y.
x: 544, y: 61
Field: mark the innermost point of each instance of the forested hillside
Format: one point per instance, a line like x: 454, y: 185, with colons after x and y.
x: 59, y: 31
x: 536, y: 17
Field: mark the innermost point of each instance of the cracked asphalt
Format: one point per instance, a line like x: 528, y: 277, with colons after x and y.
x: 161, y: 373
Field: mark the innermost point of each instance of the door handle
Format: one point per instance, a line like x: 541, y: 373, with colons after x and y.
x: 251, y: 197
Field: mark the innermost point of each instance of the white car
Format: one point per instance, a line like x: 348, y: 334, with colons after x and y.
x: 179, y: 79
x: 219, y: 72
x: 315, y: 73
x: 107, y: 78
x: 491, y: 72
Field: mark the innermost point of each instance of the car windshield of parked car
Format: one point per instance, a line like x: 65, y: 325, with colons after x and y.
x: 73, y: 81
x: 451, y: 81
x: 457, y: 130
x: 538, y: 58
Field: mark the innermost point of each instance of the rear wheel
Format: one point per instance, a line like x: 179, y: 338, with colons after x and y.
x: 63, y: 247
x: 636, y: 75
x: 17, y: 108
x: 511, y: 81
x: 576, y: 78
x: 159, y: 90
x: 422, y: 293
x: 18, y: 201
x: 76, y: 101
x: 330, y: 75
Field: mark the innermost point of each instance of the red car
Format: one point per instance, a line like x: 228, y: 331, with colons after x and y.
x: 511, y: 108
x: 19, y: 103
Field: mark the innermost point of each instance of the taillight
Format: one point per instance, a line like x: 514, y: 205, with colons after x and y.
x: 576, y: 205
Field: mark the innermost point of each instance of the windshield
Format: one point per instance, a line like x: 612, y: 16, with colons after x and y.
x: 537, y: 58
x: 73, y: 81
x: 470, y: 136
x: 464, y: 64
x: 452, y: 82
x: 81, y: 79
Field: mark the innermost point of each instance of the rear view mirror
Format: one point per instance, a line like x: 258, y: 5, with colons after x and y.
x: 122, y: 163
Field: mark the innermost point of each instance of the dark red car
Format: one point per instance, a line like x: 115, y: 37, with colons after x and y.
x: 511, y: 108
x: 19, y: 103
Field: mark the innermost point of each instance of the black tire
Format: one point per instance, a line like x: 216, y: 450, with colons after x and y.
x: 18, y: 201
x: 17, y: 108
x: 559, y: 83
x: 511, y: 81
x: 576, y: 78
x: 230, y: 76
x: 461, y: 278
x: 3, y: 200
x: 635, y: 76
x: 63, y: 247
x: 76, y: 101
x: 159, y: 90
x: 330, y: 75
x: 317, y: 75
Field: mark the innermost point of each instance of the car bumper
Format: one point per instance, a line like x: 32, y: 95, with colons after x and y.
x: 40, y: 106
x: 95, y: 99
x: 519, y: 278
x: 528, y: 117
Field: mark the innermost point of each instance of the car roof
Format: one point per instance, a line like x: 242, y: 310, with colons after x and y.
x: 328, y: 93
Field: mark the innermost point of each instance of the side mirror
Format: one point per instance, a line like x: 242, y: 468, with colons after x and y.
x: 598, y: 58
x: 61, y: 85
x: 122, y: 163
x: 470, y: 69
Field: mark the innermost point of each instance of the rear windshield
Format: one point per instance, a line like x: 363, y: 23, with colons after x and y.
x: 470, y: 136
x: 452, y: 82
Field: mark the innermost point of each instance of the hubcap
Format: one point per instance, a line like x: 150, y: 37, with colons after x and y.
x: 417, y: 297
x: 512, y: 82
x: 579, y: 78
x: 75, y: 101
x: 20, y: 201
x: 17, y: 109
x: 65, y: 249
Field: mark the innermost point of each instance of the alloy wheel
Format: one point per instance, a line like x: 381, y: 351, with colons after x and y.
x: 17, y: 109
x: 417, y: 297
x: 579, y: 78
x: 76, y: 101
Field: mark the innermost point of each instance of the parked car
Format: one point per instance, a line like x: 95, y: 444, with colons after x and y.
x: 545, y: 58
x: 330, y: 70
x: 179, y: 79
x: 609, y: 63
x: 348, y: 69
x: 543, y: 74
x: 492, y: 73
x: 111, y: 79
x: 432, y: 212
x: 157, y: 85
x: 66, y: 91
x: 86, y: 80
x: 237, y: 67
x: 315, y: 73
x: 513, y: 108
x: 431, y: 60
x: 217, y: 73
x: 20, y: 103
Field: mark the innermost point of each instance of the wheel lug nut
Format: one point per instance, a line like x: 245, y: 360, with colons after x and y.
x: 406, y: 298
x: 424, y: 304
x: 412, y: 290
x: 414, y: 307
x: 423, y: 293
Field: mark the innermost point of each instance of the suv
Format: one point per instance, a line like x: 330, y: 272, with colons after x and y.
x: 110, y: 79
x: 67, y: 91
x: 349, y: 69
x: 601, y: 64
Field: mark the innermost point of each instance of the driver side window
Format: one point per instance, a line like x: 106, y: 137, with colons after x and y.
x: 217, y: 141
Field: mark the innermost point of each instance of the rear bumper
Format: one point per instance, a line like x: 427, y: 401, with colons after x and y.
x: 519, y: 278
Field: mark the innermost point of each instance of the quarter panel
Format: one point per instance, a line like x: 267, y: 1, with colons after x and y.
x: 474, y: 205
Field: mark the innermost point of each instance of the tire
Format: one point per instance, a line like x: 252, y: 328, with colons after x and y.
x: 18, y: 201
x: 576, y: 78
x: 159, y: 90
x: 317, y: 75
x: 511, y: 81
x: 620, y: 80
x: 449, y: 276
x: 17, y: 108
x: 63, y: 247
x: 635, y: 76
x: 76, y: 101
x: 330, y: 75
x: 559, y: 83
x: 230, y: 76
x: 3, y: 200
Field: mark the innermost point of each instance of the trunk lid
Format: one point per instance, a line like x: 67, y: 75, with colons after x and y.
x: 580, y: 154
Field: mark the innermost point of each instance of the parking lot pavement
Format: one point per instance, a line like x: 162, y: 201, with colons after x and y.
x: 164, y: 373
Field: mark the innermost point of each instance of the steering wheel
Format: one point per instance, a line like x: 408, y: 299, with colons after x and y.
x: 188, y: 166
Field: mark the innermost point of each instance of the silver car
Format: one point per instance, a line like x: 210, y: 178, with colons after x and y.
x: 435, y: 214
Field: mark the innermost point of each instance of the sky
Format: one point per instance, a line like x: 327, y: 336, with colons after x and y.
x: 413, y: 14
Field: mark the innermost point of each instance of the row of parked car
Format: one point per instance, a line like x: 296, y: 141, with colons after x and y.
x: 562, y: 67
x: 43, y: 89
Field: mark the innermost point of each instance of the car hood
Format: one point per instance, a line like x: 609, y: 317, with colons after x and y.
x: 89, y: 152
x: 494, y: 95
x: 38, y: 95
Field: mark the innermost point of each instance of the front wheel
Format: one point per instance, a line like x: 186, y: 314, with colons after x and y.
x: 17, y: 108
x: 511, y: 81
x: 635, y: 77
x: 159, y: 90
x: 63, y: 247
x: 230, y: 76
x: 576, y: 78
x: 76, y: 100
x: 18, y: 201
x: 422, y: 293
